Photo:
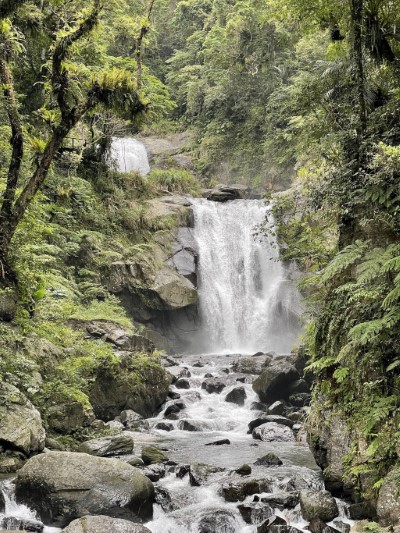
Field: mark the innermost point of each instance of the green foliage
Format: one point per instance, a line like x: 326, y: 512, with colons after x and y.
x: 179, y: 181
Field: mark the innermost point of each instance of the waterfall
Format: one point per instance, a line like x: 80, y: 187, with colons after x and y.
x: 247, y: 301
x: 129, y: 155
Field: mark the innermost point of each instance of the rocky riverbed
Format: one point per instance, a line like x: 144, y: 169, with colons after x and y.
x: 227, y: 453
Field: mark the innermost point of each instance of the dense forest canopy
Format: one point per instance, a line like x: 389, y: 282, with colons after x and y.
x: 289, y: 94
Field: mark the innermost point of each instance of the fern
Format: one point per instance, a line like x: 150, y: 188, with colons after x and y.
x: 344, y: 259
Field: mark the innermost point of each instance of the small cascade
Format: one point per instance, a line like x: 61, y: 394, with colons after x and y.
x: 129, y: 155
x: 18, y: 516
x: 247, y: 301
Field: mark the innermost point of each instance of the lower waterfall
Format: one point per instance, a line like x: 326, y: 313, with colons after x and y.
x: 247, y: 301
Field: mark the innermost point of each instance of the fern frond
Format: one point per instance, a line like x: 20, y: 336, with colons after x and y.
x: 344, y: 259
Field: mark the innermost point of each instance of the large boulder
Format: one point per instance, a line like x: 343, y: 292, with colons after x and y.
x: 20, y: 423
x: 318, y: 504
x: 108, y: 446
x: 220, y: 520
x: 388, y: 506
x: 330, y: 445
x: 238, y: 491
x: 251, y: 365
x: 62, y: 486
x: 273, y: 432
x: 68, y: 415
x: 273, y: 384
x: 104, y: 524
x: 138, y: 383
x: 236, y: 395
x: 118, y: 336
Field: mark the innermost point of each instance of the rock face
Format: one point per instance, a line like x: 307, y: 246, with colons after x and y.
x: 134, y: 384
x: 67, y: 417
x: 103, y: 524
x: 62, y: 486
x: 226, y: 193
x: 330, y: 447
x: 388, y: 507
x: 108, y: 446
x: 318, y: 504
x: 272, y: 432
x: 273, y: 384
x: 20, y: 423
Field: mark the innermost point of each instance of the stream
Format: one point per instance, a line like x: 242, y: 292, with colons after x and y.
x: 248, y: 304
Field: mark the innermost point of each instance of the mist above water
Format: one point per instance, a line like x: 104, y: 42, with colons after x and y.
x: 247, y: 302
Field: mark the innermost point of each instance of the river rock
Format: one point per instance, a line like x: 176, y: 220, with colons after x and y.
x: 20, y: 422
x: 182, y: 383
x: 68, y: 416
x: 20, y: 524
x: 318, y: 526
x: 299, y: 386
x: 361, y: 511
x: 236, y: 395
x: 388, y: 505
x: 2, y: 502
x: 269, y: 459
x: 174, y: 395
x: 220, y: 442
x: 153, y: 455
x: 131, y: 420
x: 104, y: 524
x: 199, y: 473
x: 174, y: 408
x: 135, y: 383
x: 273, y: 383
x: 188, y: 425
x: 182, y: 470
x: 251, y: 365
x: 277, y: 408
x: 108, y: 446
x: 272, y: 521
x: 154, y: 472
x: 213, y: 385
x: 318, y: 504
x: 273, y: 432
x: 282, y: 500
x: 218, y: 520
x: 239, y: 490
x: 62, y: 486
x: 255, y: 513
x: 164, y: 426
x: 270, y: 418
x: 244, y: 470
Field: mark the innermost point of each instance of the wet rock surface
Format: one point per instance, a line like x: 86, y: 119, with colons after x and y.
x: 103, y: 524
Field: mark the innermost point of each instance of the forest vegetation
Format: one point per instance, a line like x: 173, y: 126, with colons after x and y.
x: 290, y: 95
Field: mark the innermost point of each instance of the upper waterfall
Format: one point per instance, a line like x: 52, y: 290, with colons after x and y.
x: 247, y: 303
x: 129, y: 155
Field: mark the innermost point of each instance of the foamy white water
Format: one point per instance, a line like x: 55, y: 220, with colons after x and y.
x: 247, y: 302
x: 130, y: 155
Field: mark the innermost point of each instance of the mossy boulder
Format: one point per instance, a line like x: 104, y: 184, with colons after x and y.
x: 152, y: 455
x: 69, y: 415
x: 20, y: 422
x: 63, y: 486
x: 138, y: 382
x: 318, y: 505
x: 104, y: 524
x: 388, y: 506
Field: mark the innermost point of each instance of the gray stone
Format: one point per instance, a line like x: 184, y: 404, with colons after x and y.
x: 182, y: 383
x: 272, y: 432
x: 20, y: 422
x: 277, y: 408
x: 388, y: 505
x: 164, y: 426
x: 282, y: 500
x: 62, y: 486
x: 20, y: 524
x: 269, y: 459
x: 318, y: 504
x: 130, y: 419
x: 213, y: 385
x: 273, y: 383
x: 108, y: 446
x: 188, y: 425
x: 199, y: 473
x: 104, y: 524
x: 244, y: 470
x: 220, y: 521
x: 152, y: 455
x: 255, y: 512
x: 270, y: 418
x: 236, y: 395
x: 251, y: 365
x: 239, y: 490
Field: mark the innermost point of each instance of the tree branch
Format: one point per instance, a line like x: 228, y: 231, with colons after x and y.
x: 139, y: 46
x: 60, y: 79
x: 8, y: 7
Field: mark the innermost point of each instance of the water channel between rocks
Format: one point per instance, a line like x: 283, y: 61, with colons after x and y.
x: 247, y: 304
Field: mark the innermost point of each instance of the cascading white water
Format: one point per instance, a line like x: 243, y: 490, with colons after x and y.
x: 129, y: 155
x: 247, y: 302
